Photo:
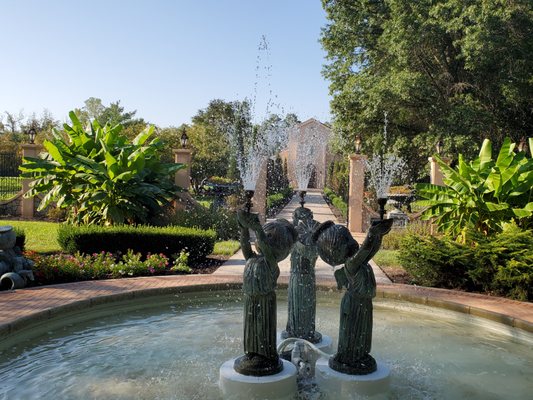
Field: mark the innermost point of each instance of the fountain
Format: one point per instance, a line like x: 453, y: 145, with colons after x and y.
x: 383, y: 169
x: 171, y: 347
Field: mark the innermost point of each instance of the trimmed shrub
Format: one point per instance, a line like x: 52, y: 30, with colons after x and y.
x: 277, y: 200
x: 437, y: 262
x: 336, y: 201
x: 220, y: 220
x: 501, y: 264
x: 504, y: 263
x: 143, y: 239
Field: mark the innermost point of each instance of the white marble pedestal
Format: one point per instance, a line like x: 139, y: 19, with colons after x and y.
x: 339, y: 386
x: 236, y: 386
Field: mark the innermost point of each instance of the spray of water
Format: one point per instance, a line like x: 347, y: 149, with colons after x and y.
x: 307, y: 153
x: 384, y: 168
x: 257, y: 136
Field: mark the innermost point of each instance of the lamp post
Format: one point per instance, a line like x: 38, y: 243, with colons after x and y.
x: 438, y: 146
x: 358, y: 143
x: 184, y: 139
x: 522, y: 146
x: 31, y: 134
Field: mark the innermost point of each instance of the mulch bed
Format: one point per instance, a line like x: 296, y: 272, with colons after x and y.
x: 209, y: 265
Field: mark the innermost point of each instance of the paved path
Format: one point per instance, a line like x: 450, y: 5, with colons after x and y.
x: 322, y: 213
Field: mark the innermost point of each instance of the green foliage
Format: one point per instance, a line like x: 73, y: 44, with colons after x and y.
x: 220, y: 220
x: 277, y: 179
x: 226, y: 247
x: 39, y: 236
x: 393, y: 240
x: 450, y: 68
x: 502, y: 264
x: 61, y: 268
x: 276, y: 201
x: 338, y: 179
x: 143, y: 239
x: 101, y: 177
x: 437, y: 262
x: 387, y: 258
x: 181, y: 263
x: 337, y: 202
x: 209, y: 141
x: 482, y: 194
x: 10, y: 186
x: 20, y: 242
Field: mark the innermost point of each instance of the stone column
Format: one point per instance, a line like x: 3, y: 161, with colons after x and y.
x: 183, y: 176
x: 28, y: 204
x: 436, y: 177
x: 356, y: 213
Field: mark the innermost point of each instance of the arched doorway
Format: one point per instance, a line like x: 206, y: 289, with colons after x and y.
x: 312, y: 179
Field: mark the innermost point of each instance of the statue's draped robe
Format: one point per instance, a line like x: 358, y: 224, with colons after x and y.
x: 355, y: 330
x: 259, y: 283
x: 302, y: 292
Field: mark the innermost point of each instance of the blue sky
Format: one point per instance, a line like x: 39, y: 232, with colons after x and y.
x: 164, y: 58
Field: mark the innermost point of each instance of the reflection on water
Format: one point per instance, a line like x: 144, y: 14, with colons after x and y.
x: 172, y: 347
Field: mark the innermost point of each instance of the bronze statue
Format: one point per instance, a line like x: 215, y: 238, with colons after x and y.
x: 274, y: 242
x: 301, y: 292
x: 336, y: 246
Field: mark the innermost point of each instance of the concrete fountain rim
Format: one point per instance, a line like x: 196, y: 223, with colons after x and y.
x: 24, y: 308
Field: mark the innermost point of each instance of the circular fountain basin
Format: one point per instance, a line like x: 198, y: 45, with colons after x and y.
x: 171, y: 347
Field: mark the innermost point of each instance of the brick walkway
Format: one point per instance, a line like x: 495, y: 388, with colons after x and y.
x: 26, y: 307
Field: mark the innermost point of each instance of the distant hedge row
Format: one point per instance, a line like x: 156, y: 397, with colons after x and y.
x: 143, y: 239
x: 337, y: 202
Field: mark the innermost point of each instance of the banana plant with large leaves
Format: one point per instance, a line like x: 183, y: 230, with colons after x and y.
x: 100, y: 176
x: 482, y: 194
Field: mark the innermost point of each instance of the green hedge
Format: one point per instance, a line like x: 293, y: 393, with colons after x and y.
x: 143, y: 239
x: 501, y: 264
x: 278, y: 200
x: 337, y: 202
x: 222, y: 221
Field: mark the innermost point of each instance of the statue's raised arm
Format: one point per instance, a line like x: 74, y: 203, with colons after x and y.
x: 370, y: 246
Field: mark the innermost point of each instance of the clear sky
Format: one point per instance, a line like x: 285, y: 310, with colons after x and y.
x: 164, y: 58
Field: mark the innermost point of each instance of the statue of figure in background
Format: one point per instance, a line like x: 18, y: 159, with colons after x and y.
x: 337, y: 246
x: 274, y: 242
x: 302, y: 290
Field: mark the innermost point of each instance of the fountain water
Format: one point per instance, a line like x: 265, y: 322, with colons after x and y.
x: 306, y: 156
x: 383, y: 168
x: 159, y: 348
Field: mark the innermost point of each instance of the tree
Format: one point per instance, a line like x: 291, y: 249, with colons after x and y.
x: 114, y: 114
x: 456, y: 69
x: 208, y: 137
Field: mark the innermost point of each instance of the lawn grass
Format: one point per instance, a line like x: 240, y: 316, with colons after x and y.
x: 40, y: 236
x: 226, y: 247
x: 387, y: 258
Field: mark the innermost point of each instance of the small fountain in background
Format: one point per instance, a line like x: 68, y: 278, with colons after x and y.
x: 383, y: 168
x: 306, y: 156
